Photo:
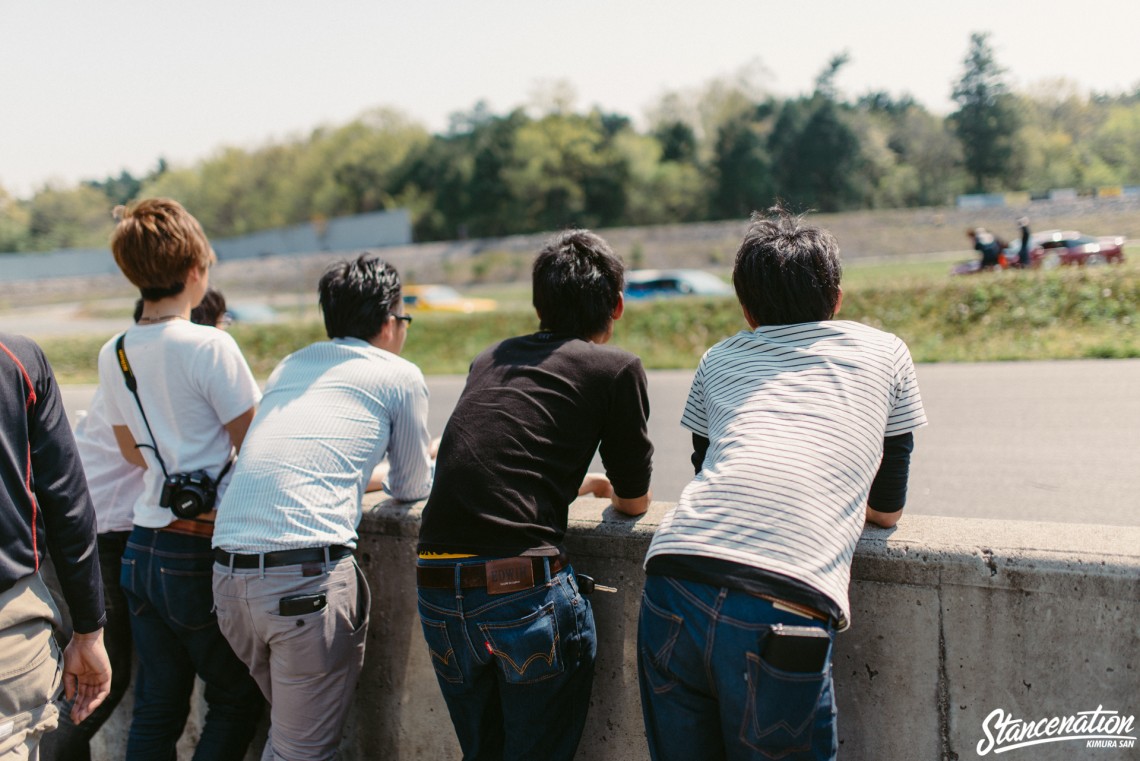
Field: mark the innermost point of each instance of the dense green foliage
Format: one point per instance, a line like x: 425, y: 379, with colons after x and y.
x: 986, y: 118
x: 1066, y: 314
x: 718, y: 152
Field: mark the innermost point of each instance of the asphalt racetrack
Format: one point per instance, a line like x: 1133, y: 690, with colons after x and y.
x: 1037, y: 441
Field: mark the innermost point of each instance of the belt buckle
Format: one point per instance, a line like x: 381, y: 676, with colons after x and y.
x: 509, y: 575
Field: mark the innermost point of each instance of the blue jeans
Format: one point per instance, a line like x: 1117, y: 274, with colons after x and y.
x: 515, y: 669
x: 705, y: 691
x: 167, y: 580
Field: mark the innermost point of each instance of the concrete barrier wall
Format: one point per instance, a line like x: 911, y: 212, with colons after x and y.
x: 952, y: 620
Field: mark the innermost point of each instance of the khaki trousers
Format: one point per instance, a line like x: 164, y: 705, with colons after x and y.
x: 31, y: 668
x: 307, y: 665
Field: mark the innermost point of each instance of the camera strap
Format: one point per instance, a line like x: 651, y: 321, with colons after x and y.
x: 133, y: 386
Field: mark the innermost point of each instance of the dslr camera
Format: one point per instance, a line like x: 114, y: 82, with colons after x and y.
x: 189, y: 495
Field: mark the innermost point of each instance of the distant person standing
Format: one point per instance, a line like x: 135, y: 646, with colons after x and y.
x: 1023, y: 252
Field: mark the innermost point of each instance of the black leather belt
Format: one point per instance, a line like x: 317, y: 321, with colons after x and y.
x: 282, y: 557
x: 473, y: 575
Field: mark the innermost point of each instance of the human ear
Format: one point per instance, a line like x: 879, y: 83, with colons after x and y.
x: 619, y: 310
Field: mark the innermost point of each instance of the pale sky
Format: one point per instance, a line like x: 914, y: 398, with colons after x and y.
x: 90, y: 88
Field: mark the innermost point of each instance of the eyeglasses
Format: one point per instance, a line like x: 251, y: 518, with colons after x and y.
x: 403, y: 318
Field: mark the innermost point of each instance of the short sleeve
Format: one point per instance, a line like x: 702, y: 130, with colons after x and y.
x: 907, y: 413
x: 695, y: 417
x: 225, y: 378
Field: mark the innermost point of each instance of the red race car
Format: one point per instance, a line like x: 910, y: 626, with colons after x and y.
x: 1054, y: 248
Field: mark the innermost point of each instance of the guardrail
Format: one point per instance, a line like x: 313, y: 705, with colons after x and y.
x: 968, y: 638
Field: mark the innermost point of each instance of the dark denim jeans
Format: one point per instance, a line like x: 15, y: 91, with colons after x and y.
x: 515, y: 669
x: 705, y: 691
x: 167, y: 579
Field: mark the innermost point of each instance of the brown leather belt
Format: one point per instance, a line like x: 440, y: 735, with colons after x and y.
x: 191, y: 527
x: 798, y: 609
x: 497, y: 576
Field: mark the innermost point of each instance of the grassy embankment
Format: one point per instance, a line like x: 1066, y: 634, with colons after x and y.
x: 1065, y: 314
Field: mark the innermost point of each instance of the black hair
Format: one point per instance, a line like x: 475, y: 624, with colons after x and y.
x: 210, y: 310
x: 138, y: 309
x: 158, y: 293
x: 357, y: 297
x: 786, y: 271
x: 577, y: 283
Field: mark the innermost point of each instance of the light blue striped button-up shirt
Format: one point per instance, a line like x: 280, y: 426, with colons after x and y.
x: 330, y: 413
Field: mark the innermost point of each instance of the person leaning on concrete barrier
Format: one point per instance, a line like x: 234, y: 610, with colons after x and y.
x: 511, y: 639
x: 290, y: 597
x: 115, y: 485
x: 801, y: 431
x: 44, y: 508
x: 195, y: 399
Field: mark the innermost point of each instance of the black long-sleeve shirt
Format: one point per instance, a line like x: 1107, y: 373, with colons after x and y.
x: 44, y: 504
x: 522, y: 436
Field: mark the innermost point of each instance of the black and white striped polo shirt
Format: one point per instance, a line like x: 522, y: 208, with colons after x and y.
x: 795, y: 416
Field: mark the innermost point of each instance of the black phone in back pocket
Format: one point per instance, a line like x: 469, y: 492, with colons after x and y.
x: 797, y: 649
x: 297, y: 605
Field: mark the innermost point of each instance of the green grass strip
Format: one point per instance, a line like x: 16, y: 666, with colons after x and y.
x: 1070, y: 313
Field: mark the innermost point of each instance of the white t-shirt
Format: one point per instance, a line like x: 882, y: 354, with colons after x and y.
x: 795, y: 416
x: 114, y: 483
x: 192, y: 380
x: 330, y: 413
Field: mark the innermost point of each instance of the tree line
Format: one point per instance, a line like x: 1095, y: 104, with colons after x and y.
x: 717, y: 152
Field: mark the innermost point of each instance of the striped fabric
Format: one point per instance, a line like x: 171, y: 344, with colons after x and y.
x: 330, y: 413
x: 796, y: 416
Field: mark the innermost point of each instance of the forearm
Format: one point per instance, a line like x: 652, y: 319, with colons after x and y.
x: 632, y: 506
x: 128, y: 447
x: 377, y: 478
x: 239, y: 426
x: 883, y: 519
x: 888, y: 491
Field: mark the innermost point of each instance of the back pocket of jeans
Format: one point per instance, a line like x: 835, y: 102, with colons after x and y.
x: 781, y: 708
x: 527, y: 649
x: 442, y: 654
x: 127, y: 581
x: 189, y: 597
x: 657, y: 633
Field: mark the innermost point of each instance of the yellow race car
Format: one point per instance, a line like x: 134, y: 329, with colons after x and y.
x: 443, y: 298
